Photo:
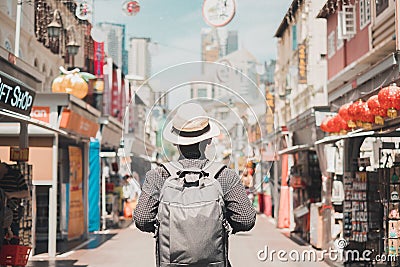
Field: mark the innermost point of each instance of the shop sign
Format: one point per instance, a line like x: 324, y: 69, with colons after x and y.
x: 41, y: 113
x: 19, y: 154
x: 74, y: 122
x: 98, y: 59
x: 302, y: 64
x: 15, y: 96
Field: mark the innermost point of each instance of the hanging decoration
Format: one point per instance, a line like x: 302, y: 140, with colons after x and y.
x: 83, y: 10
x: 344, y: 113
x: 389, y: 98
x: 367, y: 117
x: 340, y: 124
x: 218, y: 13
x: 376, y: 109
x: 72, y: 82
x: 356, y: 111
x: 324, y: 124
x: 131, y: 8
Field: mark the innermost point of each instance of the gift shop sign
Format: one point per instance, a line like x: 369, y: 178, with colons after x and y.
x: 19, y: 154
x: 15, y: 96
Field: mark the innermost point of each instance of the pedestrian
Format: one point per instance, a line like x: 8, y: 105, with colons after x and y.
x: 12, y: 182
x: 178, y: 200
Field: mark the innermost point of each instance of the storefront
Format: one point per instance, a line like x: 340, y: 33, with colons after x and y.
x: 61, y: 169
x: 304, y: 174
x: 19, y: 135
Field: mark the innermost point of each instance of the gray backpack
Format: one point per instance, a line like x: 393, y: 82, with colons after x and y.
x: 191, y: 227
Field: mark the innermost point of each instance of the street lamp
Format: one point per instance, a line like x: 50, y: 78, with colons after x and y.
x: 54, y: 28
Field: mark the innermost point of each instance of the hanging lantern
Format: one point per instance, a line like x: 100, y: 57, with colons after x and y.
x: 70, y: 82
x: 376, y: 109
x: 341, y: 125
x: 367, y: 117
x: 389, y: 98
x: 324, y: 126
x: 356, y: 111
x: 344, y: 113
x: 330, y: 125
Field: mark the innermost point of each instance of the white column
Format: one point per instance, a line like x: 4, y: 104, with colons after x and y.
x: 18, y: 28
x: 52, y: 242
x: 397, y: 16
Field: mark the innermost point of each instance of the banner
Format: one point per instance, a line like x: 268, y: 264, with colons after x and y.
x: 98, y: 59
x: 76, y: 225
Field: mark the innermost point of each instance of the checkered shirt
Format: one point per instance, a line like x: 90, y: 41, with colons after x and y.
x: 240, y: 214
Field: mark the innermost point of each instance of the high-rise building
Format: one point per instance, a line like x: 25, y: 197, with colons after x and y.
x: 114, y: 44
x: 232, y: 43
x: 139, y: 63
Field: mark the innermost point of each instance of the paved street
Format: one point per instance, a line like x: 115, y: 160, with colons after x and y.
x: 129, y: 247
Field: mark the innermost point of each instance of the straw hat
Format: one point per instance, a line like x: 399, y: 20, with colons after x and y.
x: 190, y: 125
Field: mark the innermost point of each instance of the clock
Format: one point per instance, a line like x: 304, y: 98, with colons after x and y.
x: 218, y: 13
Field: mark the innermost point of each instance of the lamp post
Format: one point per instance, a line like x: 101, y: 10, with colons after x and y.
x: 55, y: 30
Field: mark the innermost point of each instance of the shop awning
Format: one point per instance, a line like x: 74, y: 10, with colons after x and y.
x: 295, y: 149
x: 356, y: 133
x: 9, y: 116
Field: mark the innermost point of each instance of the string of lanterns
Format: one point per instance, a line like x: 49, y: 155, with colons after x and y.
x: 363, y: 114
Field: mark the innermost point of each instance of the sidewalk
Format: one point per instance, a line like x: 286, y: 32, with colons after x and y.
x: 130, y: 247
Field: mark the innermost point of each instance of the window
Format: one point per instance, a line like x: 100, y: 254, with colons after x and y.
x: 365, y: 13
x: 294, y: 37
x: 381, y: 5
x: 7, y: 45
x: 331, y: 44
x: 202, y: 92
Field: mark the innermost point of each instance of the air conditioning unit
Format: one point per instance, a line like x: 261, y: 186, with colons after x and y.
x: 347, y: 22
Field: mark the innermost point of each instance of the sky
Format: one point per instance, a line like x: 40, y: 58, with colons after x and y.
x: 176, y: 26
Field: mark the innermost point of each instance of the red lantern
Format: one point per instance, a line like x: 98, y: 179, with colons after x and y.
x: 344, y: 113
x: 389, y: 98
x: 340, y: 124
x: 330, y: 125
x: 376, y: 109
x: 367, y: 117
x: 356, y: 111
x: 324, y: 125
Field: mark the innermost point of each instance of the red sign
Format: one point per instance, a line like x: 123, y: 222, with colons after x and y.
x: 98, y: 59
x: 19, y: 154
x: 41, y: 113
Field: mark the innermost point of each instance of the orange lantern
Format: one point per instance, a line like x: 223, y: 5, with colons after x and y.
x: 344, y: 113
x: 376, y: 109
x: 356, y: 111
x: 70, y: 82
x: 389, y: 98
x: 333, y: 126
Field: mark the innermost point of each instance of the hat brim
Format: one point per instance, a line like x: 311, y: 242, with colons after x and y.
x: 180, y: 140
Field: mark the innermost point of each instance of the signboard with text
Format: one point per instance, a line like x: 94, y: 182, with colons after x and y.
x: 19, y: 154
x: 98, y: 59
x: 41, y: 113
x: 302, y: 64
x: 15, y: 96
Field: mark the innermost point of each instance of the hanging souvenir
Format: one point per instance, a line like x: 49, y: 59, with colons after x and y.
x: 83, y: 10
x: 131, y: 8
x: 395, y: 178
x: 393, y: 229
x: 394, y: 195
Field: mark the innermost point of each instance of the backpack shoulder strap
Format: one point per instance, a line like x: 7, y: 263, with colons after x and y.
x: 172, y: 167
x: 214, y: 169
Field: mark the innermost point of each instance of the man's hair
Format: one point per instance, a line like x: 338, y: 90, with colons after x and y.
x: 194, y: 151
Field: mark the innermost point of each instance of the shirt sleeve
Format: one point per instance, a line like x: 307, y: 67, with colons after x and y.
x: 146, y: 210
x: 239, y: 212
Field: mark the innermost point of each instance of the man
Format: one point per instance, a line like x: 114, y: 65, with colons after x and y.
x: 13, y: 184
x: 191, y: 131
